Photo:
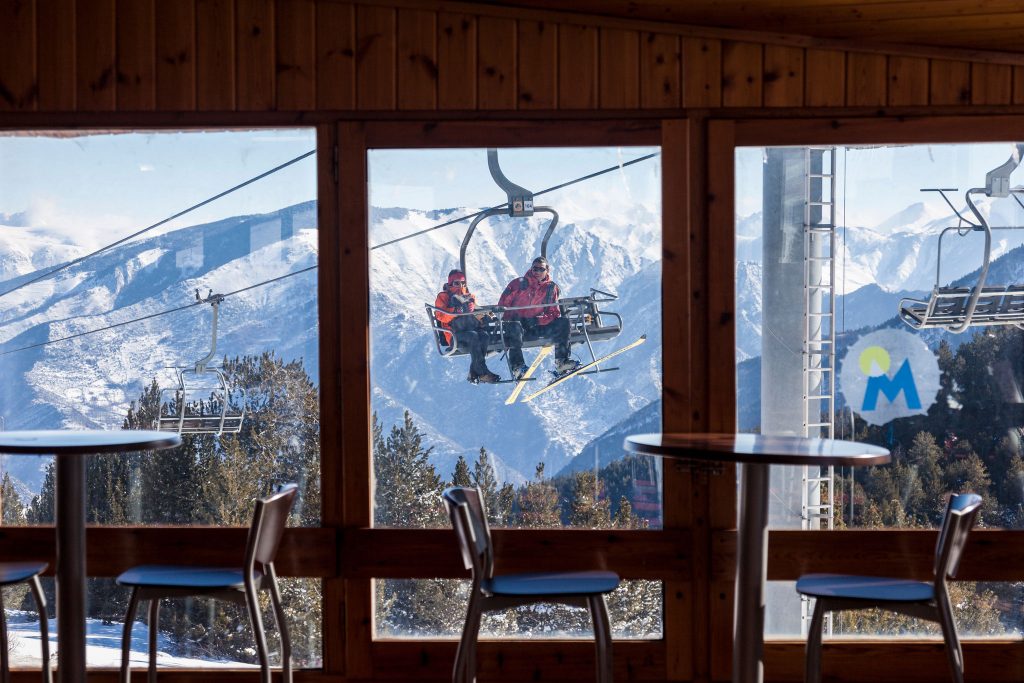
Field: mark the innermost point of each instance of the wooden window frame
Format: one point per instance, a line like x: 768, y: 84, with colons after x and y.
x: 991, y: 555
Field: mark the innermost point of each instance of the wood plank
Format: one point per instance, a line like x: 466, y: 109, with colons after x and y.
x: 950, y: 82
x: 865, y: 80
x: 825, y: 79
x: 176, y: 56
x: 215, y: 55
x: 619, y: 69
x: 336, y: 55
x: 511, y: 132
x: 702, y: 72
x: 359, y: 609
x: 660, y: 72
x: 908, y: 81
x: 18, y: 55
x: 136, y: 55
x: 783, y: 76
x: 923, y: 127
x: 742, y: 71
x: 1018, y: 85
x: 417, y: 59
x: 496, y: 77
x: 295, y: 26
x: 254, y: 58
x: 456, y: 61
x: 95, y: 40
x: 991, y: 84
x: 577, y: 67
x: 536, y: 72
x: 55, y: 54
x: 375, y: 58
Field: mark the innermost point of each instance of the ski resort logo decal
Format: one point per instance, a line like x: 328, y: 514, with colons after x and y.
x: 889, y: 374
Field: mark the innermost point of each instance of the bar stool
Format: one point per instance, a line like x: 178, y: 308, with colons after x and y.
x: 24, y: 572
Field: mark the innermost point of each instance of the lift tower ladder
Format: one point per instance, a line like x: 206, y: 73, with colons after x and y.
x: 819, y: 343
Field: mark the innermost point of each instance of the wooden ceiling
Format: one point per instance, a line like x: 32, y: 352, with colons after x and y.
x: 987, y: 25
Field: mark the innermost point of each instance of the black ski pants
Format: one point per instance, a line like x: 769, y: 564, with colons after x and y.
x: 557, y: 331
x: 472, y: 338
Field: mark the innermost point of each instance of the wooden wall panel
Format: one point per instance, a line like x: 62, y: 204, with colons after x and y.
x: 577, y: 67
x: 335, y: 55
x: 619, y: 69
x: 825, y: 78
x: 537, y: 75
x: 417, y: 59
x: 18, y: 56
x: 176, y: 56
x: 660, y: 72
x: 55, y: 54
x: 1018, y: 85
x: 215, y: 55
x: 949, y: 82
x: 136, y: 58
x: 783, y: 76
x: 991, y: 84
x: 295, y: 58
x: 908, y: 81
x: 496, y: 76
x: 702, y: 72
x: 742, y: 71
x: 254, y: 58
x: 456, y: 61
x: 95, y: 41
x: 866, y: 79
x: 375, y: 57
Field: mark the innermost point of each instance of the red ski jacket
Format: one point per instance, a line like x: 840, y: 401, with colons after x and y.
x: 527, y: 290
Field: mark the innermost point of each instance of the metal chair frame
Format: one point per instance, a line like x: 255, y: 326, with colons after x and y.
x: 257, y: 574
x: 466, y: 510
x: 959, y: 518
x: 12, y: 573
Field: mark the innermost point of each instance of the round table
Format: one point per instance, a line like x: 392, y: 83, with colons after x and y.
x: 756, y: 452
x: 70, y: 448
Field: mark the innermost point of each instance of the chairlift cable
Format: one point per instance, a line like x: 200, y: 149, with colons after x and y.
x: 155, y: 315
x: 203, y: 203
x: 453, y: 221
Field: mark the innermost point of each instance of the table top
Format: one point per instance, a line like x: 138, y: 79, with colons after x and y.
x: 70, y: 441
x: 757, y: 449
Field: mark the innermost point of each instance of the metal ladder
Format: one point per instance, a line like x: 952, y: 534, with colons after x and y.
x: 819, y: 371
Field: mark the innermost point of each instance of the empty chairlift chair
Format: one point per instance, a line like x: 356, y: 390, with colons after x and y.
x: 24, y: 572
x: 834, y: 592
x: 492, y: 592
x: 236, y: 584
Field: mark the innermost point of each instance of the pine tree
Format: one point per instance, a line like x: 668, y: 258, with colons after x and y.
x: 497, y: 502
x: 460, y: 476
x: 589, y: 508
x: 13, y: 509
x: 538, y: 503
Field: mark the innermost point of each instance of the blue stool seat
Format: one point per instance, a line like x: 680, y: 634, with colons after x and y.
x: 171, y: 576
x: 16, y: 572
x: 873, y: 588
x: 552, y: 583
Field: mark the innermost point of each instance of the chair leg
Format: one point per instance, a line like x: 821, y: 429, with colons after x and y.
x: 126, y: 638
x: 812, y: 672
x: 954, y: 652
x: 5, y: 664
x: 256, y: 617
x: 154, y: 627
x: 602, y: 637
x: 465, y: 657
x: 282, y: 627
x: 44, y: 627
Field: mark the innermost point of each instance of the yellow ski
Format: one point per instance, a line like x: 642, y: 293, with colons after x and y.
x: 584, y: 368
x: 541, y: 355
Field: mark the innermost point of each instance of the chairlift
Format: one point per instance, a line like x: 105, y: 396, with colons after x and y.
x: 954, y: 308
x: 588, y: 322
x: 202, y: 402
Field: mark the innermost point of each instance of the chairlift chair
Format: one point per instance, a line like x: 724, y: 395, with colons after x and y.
x: 588, y: 323
x: 956, y: 308
x: 202, y: 402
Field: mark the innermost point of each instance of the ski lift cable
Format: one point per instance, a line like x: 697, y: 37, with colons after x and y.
x: 460, y: 219
x: 155, y: 315
x: 201, y: 204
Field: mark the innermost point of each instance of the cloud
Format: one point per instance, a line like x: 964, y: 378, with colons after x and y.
x: 146, y: 168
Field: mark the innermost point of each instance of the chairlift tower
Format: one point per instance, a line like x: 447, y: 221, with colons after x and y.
x: 819, y: 338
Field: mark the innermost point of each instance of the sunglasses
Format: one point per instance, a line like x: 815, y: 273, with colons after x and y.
x: 540, y: 269
x: 459, y: 283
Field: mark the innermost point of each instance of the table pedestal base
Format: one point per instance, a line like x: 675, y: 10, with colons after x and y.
x: 70, y: 568
x: 751, y: 572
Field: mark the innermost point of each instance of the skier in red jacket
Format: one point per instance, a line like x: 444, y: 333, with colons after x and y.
x: 542, y: 318
x: 455, y: 298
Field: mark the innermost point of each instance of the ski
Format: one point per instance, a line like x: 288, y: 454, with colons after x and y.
x: 584, y: 368
x: 541, y: 355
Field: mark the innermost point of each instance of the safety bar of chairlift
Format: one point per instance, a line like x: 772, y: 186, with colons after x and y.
x: 235, y: 419
x: 972, y: 303
x: 489, y: 213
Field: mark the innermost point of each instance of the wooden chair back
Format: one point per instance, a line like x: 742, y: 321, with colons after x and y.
x: 268, y: 523
x: 469, y: 519
x: 956, y: 524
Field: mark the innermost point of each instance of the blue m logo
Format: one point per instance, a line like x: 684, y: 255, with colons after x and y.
x: 903, y: 381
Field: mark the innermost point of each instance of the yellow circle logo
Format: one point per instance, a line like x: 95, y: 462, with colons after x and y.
x: 874, y: 361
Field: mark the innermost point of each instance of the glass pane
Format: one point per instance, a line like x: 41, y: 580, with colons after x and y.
x: 871, y: 307
x: 432, y: 608
x: 555, y: 460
